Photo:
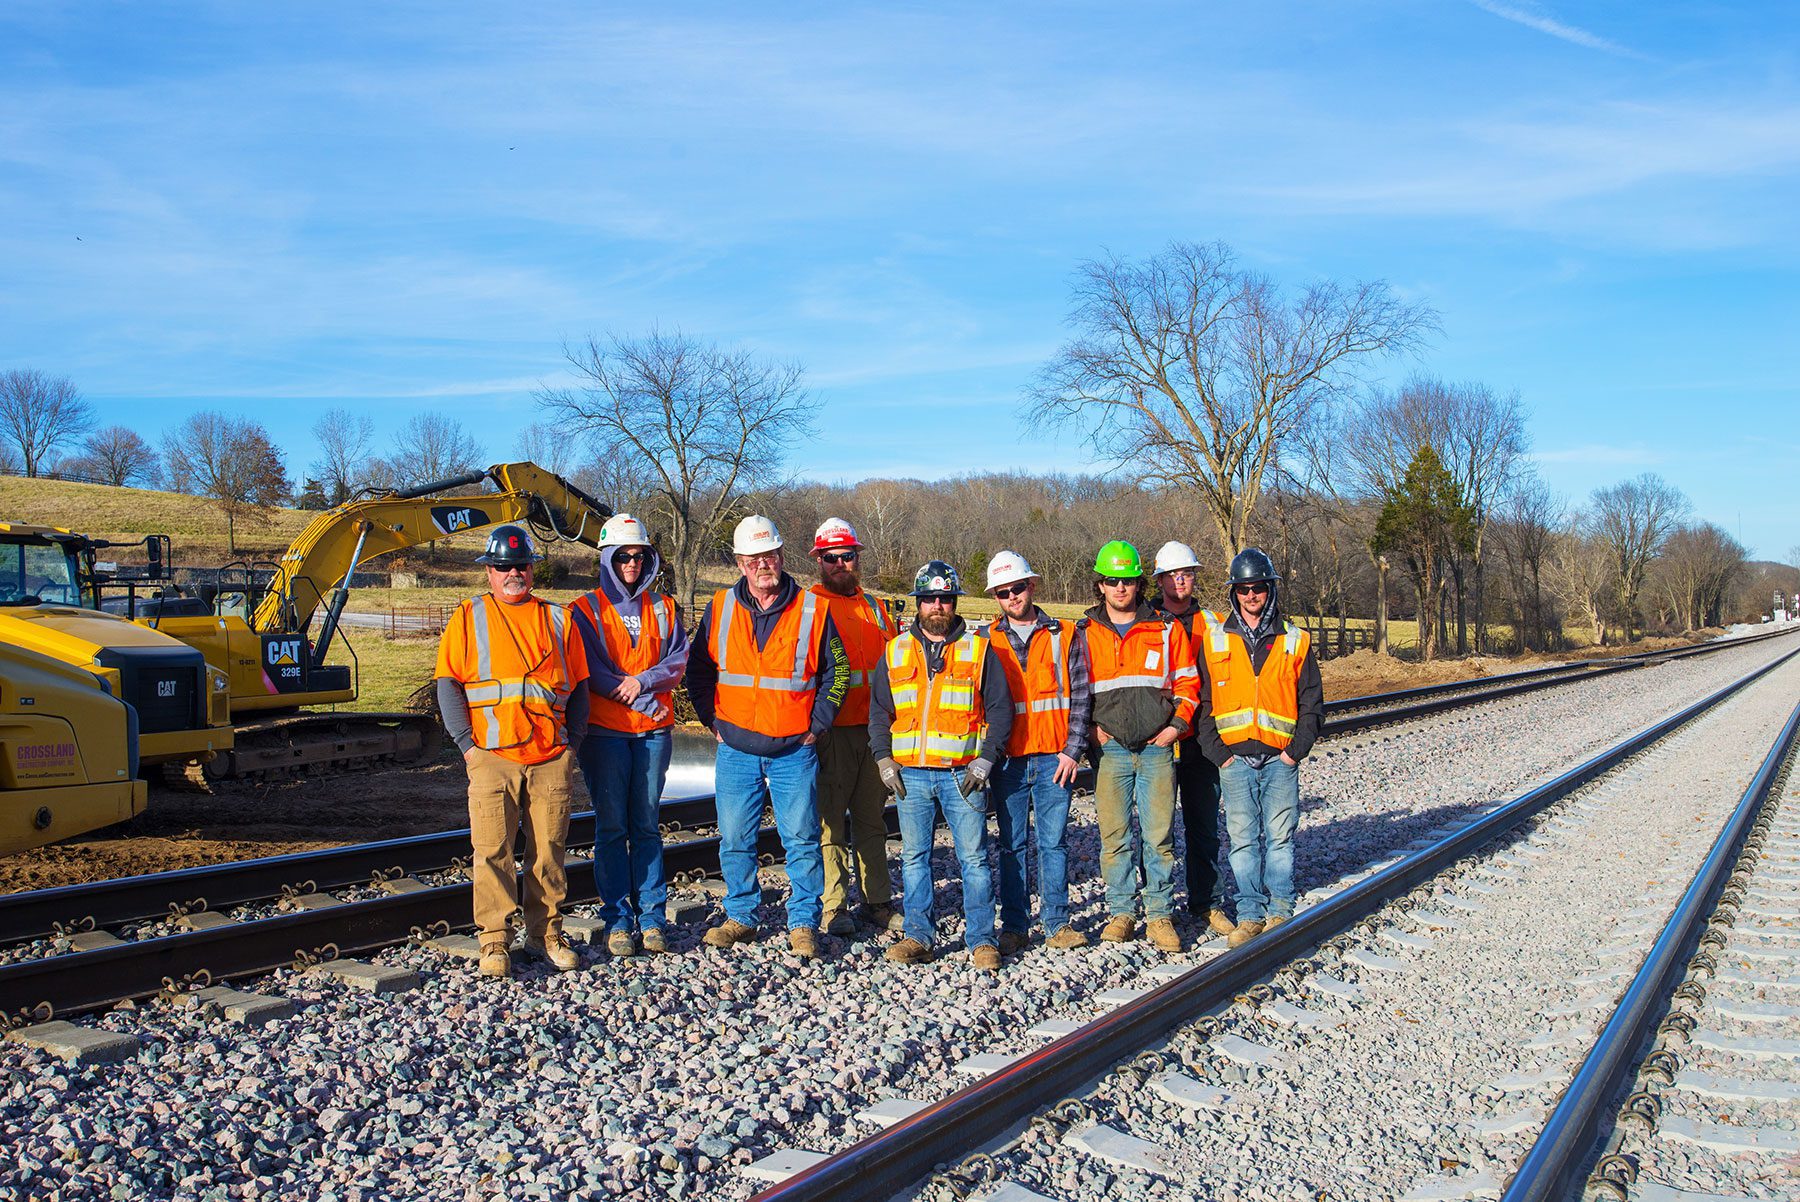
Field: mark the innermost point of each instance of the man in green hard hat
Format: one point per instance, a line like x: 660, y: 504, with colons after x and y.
x: 1146, y: 690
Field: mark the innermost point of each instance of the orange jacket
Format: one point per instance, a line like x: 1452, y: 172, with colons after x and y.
x: 658, y: 620
x: 517, y: 665
x: 767, y: 689
x: 937, y: 719
x: 1144, y: 681
x: 865, y: 625
x: 1250, y: 705
x: 1042, y: 693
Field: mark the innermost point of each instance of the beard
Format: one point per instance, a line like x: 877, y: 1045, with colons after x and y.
x: 937, y: 623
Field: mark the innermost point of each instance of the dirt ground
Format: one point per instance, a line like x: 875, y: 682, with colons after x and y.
x: 243, y: 821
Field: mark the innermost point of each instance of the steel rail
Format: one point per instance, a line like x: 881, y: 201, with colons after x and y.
x: 83, y: 981
x: 43, y: 913
x: 1566, y: 1144
x: 884, y: 1164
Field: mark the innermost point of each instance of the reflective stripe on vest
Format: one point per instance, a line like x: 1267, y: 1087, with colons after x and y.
x: 755, y: 692
x: 937, y: 719
x: 629, y: 657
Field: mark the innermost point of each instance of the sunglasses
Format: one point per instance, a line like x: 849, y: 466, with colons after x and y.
x: 631, y: 557
x: 1009, y: 591
x: 941, y: 599
x: 839, y: 556
x: 1261, y: 586
x: 1115, y: 582
x: 514, y: 569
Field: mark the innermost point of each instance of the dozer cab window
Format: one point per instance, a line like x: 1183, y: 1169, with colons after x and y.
x: 31, y: 573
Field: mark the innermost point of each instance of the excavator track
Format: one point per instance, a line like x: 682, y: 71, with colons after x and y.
x: 298, y: 745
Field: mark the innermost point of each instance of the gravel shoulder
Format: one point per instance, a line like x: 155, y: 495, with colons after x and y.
x: 660, y: 1077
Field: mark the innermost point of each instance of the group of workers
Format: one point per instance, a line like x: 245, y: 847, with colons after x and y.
x: 825, y: 707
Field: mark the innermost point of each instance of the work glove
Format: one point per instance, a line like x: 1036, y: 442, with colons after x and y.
x: 973, y: 782
x: 890, y: 776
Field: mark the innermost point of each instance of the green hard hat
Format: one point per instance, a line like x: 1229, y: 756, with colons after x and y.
x: 1119, y: 560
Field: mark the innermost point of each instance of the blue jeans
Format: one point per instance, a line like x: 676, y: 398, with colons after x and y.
x: 792, y: 780
x: 1023, y: 784
x: 625, y: 782
x: 1197, y: 786
x: 1138, y: 784
x: 929, y: 790
x: 1262, y: 811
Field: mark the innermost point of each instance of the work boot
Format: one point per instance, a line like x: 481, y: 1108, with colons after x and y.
x: 620, y: 943
x: 1066, y: 937
x: 883, y: 917
x: 909, y: 951
x: 496, y: 961
x: 1219, y: 923
x: 986, y: 957
x: 837, y: 921
x: 1120, y: 928
x: 803, y: 942
x: 1163, y: 934
x: 1243, y: 933
x: 1275, y: 920
x: 727, y: 933
x: 1012, y: 943
x: 555, y: 948
x: 656, y: 943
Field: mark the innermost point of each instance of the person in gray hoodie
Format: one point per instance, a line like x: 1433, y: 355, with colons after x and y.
x: 636, y: 652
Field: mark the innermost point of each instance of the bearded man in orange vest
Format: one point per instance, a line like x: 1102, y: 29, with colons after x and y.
x: 636, y: 654
x: 1146, y: 690
x: 767, y: 673
x: 1046, y: 667
x: 939, y: 716
x: 852, y: 803
x: 510, y: 675
x: 1261, y: 705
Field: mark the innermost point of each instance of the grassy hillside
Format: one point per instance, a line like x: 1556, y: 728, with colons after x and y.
x: 194, y: 524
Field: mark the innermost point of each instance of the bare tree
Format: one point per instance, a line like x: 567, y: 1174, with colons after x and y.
x: 40, y: 414
x: 1526, y: 532
x: 1581, y: 574
x: 1695, y: 572
x: 1632, y: 518
x: 1191, y: 373
x: 344, y: 442
x: 432, y: 447
x: 548, y: 446
x: 233, y: 461
x: 119, y: 456
x: 709, y: 424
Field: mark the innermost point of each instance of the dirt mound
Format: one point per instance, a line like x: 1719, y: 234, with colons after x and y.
x: 1366, y: 672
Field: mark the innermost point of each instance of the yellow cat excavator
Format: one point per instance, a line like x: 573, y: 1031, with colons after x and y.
x: 272, y: 642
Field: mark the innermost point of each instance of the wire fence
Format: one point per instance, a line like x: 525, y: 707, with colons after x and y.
x: 54, y: 474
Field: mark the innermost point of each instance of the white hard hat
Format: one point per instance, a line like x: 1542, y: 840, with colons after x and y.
x: 1008, y: 567
x: 1171, y: 557
x: 623, y: 530
x: 755, y: 535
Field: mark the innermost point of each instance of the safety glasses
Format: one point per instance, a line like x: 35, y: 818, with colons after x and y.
x: 1008, y: 591
x: 511, y: 569
x: 835, y: 557
x: 1248, y: 590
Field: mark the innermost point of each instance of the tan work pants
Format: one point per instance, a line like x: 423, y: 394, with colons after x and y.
x: 852, y: 805
x: 503, y: 795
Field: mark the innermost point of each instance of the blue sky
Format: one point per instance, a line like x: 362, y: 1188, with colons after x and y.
x: 281, y: 208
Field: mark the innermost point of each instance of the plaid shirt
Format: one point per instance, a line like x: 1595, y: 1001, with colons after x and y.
x: 1081, y: 691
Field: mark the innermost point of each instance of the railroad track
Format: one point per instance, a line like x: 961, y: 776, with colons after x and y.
x: 88, y: 913
x: 1215, y: 1064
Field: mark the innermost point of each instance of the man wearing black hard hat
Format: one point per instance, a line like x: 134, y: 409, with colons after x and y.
x: 510, y: 672
x: 1261, y: 705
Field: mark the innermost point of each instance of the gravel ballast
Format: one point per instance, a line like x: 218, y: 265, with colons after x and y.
x: 661, y: 1077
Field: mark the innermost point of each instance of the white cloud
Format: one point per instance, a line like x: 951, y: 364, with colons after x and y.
x: 1600, y: 455
x: 1534, y: 18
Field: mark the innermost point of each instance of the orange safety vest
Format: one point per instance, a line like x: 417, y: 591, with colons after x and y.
x: 1264, y: 706
x: 1152, y: 655
x: 517, y: 670
x: 937, y: 721
x: 630, y: 658
x: 865, y: 626
x: 1040, y: 687
x: 769, y: 689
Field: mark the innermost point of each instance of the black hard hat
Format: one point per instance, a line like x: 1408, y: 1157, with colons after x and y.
x: 937, y: 579
x: 1251, y: 565
x: 509, y: 546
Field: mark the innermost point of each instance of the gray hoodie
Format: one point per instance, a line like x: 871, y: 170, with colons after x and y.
x: 603, y: 675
